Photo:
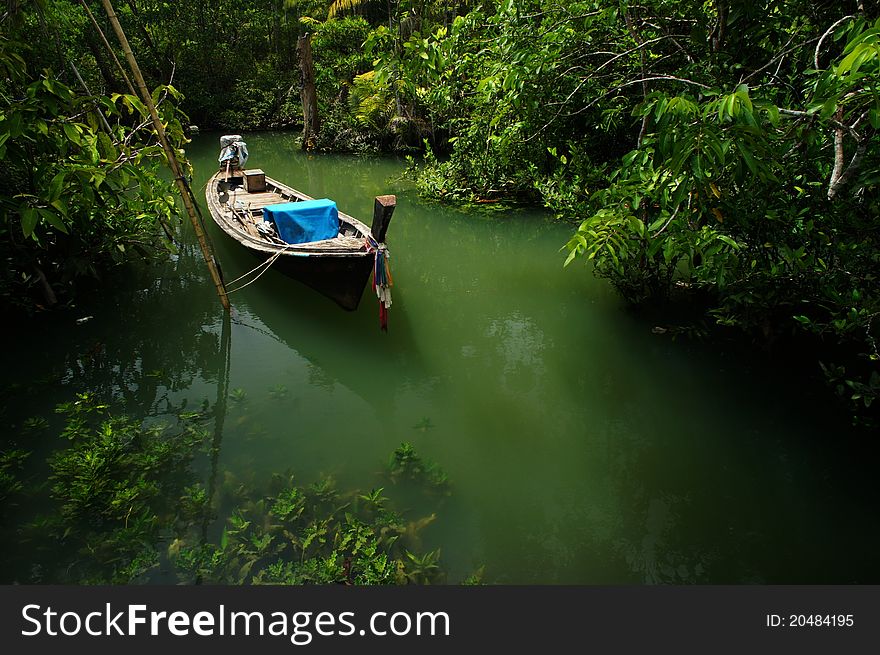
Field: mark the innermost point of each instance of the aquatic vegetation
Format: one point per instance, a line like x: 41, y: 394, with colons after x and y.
x: 475, y: 578
x: 406, y: 464
x: 122, y: 499
x: 424, y: 425
x: 11, y: 463
x: 279, y: 391
x: 238, y: 395
x: 188, y: 416
x: 374, y: 499
x: 113, y: 493
x: 422, y: 568
x: 34, y: 424
x: 311, y: 534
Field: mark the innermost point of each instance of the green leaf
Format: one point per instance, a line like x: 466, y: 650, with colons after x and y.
x: 13, y: 126
x: 742, y: 94
x: 637, y: 226
x: 828, y: 108
x: 29, y: 220
x: 748, y: 157
x: 72, y: 133
x: 56, y: 186
x: 730, y: 242
x: 53, y: 219
x: 60, y: 205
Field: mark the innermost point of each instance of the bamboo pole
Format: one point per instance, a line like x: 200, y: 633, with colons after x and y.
x: 173, y: 164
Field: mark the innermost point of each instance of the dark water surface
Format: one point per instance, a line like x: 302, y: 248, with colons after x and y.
x: 581, y: 447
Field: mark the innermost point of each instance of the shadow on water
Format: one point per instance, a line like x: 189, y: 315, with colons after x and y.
x: 347, y: 347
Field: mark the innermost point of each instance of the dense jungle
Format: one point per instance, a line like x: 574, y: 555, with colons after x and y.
x: 695, y: 184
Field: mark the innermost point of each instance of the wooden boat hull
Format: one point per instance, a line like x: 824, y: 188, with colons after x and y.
x: 337, y: 268
x: 341, y: 279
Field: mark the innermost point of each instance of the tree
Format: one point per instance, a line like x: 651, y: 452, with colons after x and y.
x: 82, y: 189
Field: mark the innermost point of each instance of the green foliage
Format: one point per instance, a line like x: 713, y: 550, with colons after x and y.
x: 115, y: 490
x: 372, y: 102
x: 238, y: 396
x: 661, y: 219
x: 11, y: 465
x: 310, y: 535
x: 405, y: 464
x: 267, y: 98
x: 118, y: 489
x: 721, y: 154
x: 337, y: 47
x: 753, y: 206
x: 344, y: 83
x: 82, y: 188
x: 279, y: 391
x: 490, y: 83
x: 339, y: 7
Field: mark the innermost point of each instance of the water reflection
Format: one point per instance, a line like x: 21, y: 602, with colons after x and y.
x: 520, y: 343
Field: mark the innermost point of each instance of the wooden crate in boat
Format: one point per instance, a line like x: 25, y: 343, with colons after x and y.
x: 254, y: 180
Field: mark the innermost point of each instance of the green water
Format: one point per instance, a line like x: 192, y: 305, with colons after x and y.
x: 581, y: 447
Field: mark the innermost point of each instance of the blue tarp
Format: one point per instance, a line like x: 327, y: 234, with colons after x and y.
x: 301, y: 222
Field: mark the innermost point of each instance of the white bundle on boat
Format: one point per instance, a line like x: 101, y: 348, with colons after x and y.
x: 233, y: 146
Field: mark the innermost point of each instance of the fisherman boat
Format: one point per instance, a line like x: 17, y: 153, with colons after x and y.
x: 305, y: 238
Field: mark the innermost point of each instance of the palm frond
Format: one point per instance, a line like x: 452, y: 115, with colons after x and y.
x: 343, y: 6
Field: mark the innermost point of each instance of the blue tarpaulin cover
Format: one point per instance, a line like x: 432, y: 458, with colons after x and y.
x: 304, y: 221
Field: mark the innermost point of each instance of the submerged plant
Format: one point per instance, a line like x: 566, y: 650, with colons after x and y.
x: 34, y: 424
x: 279, y: 391
x: 406, y: 464
x: 424, y: 425
x: 423, y: 569
x: 11, y: 464
x: 311, y: 535
x: 114, y: 492
x: 123, y: 499
x: 238, y: 395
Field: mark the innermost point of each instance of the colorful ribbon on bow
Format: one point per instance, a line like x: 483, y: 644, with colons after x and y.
x: 381, y: 278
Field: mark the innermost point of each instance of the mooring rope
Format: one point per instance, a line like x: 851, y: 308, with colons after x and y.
x: 264, y: 265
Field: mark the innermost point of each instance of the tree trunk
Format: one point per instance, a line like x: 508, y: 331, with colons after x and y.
x: 307, y: 92
x: 111, y: 84
x: 719, y: 30
x: 163, y: 67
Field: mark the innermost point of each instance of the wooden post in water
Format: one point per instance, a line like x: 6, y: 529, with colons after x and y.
x: 382, y: 210
x: 307, y: 92
x: 170, y: 155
